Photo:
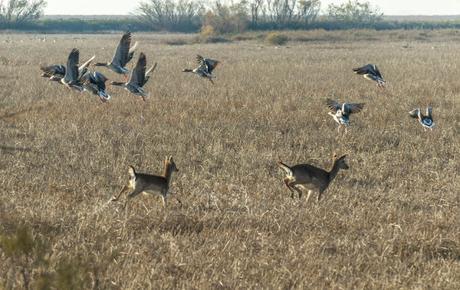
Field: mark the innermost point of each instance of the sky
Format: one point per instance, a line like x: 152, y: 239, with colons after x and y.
x: 124, y: 7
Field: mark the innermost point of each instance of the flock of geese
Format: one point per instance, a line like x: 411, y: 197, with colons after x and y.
x: 81, y: 78
x: 299, y: 178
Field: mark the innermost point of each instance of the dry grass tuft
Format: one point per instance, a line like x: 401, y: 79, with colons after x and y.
x: 276, y: 38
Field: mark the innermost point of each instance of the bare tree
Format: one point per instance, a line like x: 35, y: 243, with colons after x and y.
x: 225, y: 18
x: 20, y: 11
x: 308, y: 10
x: 173, y: 15
x: 256, y: 7
x: 281, y: 12
x: 354, y: 11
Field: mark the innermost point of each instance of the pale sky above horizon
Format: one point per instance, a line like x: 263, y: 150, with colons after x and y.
x: 118, y: 7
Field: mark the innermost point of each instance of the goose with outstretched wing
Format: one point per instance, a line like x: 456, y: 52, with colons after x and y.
x: 205, y: 67
x: 56, y: 72
x: 94, y: 82
x: 371, y: 72
x: 138, y: 78
x: 72, y: 78
x: 426, y: 120
x: 123, y: 54
x: 341, y: 112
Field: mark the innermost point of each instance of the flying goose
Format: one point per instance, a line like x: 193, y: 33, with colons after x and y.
x: 94, y: 82
x: 371, y: 72
x: 56, y: 72
x: 72, y: 78
x: 341, y: 112
x: 138, y: 78
x: 49, y: 71
x: 425, y: 120
x: 122, y: 55
x: 205, y: 67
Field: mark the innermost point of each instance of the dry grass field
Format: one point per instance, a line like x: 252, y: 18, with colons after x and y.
x: 390, y: 222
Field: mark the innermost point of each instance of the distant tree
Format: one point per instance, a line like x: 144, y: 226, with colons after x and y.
x: 283, y: 13
x: 224, y: 18
x: 257, y: 8
x: 354, y: 11
x: 171, y: 15
x: 16, y: 12
x: 308, y: 10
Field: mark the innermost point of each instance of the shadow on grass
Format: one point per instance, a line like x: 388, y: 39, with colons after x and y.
x: 11, y: 150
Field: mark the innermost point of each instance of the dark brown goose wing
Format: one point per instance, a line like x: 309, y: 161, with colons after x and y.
x: 94, y: 82
x: 376, y: 72
x: 199, y: 59
x: 351, y: 108
x: 364, y: 69
x: 415, y: 113
x: 99, y: 79
x: 211, y: 64
x: 122, y: 53
x: 138, y: 74
x: 53, y: 70
x: 71, y: 72
x: 333, y: 105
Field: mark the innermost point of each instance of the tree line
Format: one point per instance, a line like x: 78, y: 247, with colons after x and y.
x: 215, y: 17
x: 239, y: 15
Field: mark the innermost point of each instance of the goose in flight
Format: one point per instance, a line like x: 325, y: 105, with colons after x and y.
x: 123, y: 54
x: 94, y: 82
x: 56, y: 72
x: 73, y: 73
x: 138, y: 78
x: 341, y: 112
x: 205, y: 67
x: 371, y: 72
x: 425, y: 120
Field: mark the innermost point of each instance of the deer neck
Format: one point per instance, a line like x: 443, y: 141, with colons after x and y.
x: 168, y: 172
x: 334, y: 170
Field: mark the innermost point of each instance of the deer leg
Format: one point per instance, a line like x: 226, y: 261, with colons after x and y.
x: 288, y: 184
x: 131, y: 194
x: 298, y: 191
x: 309, y: 194
x: 320, y: 194
x: 124, y: 189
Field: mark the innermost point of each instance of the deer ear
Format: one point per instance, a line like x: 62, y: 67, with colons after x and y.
x: 131, y: 170
x: 170, y: 159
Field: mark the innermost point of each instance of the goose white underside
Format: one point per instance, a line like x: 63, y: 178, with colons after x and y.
x: 339, y: 119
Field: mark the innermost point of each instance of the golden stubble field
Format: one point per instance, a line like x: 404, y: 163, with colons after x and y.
x: 390, y: 222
